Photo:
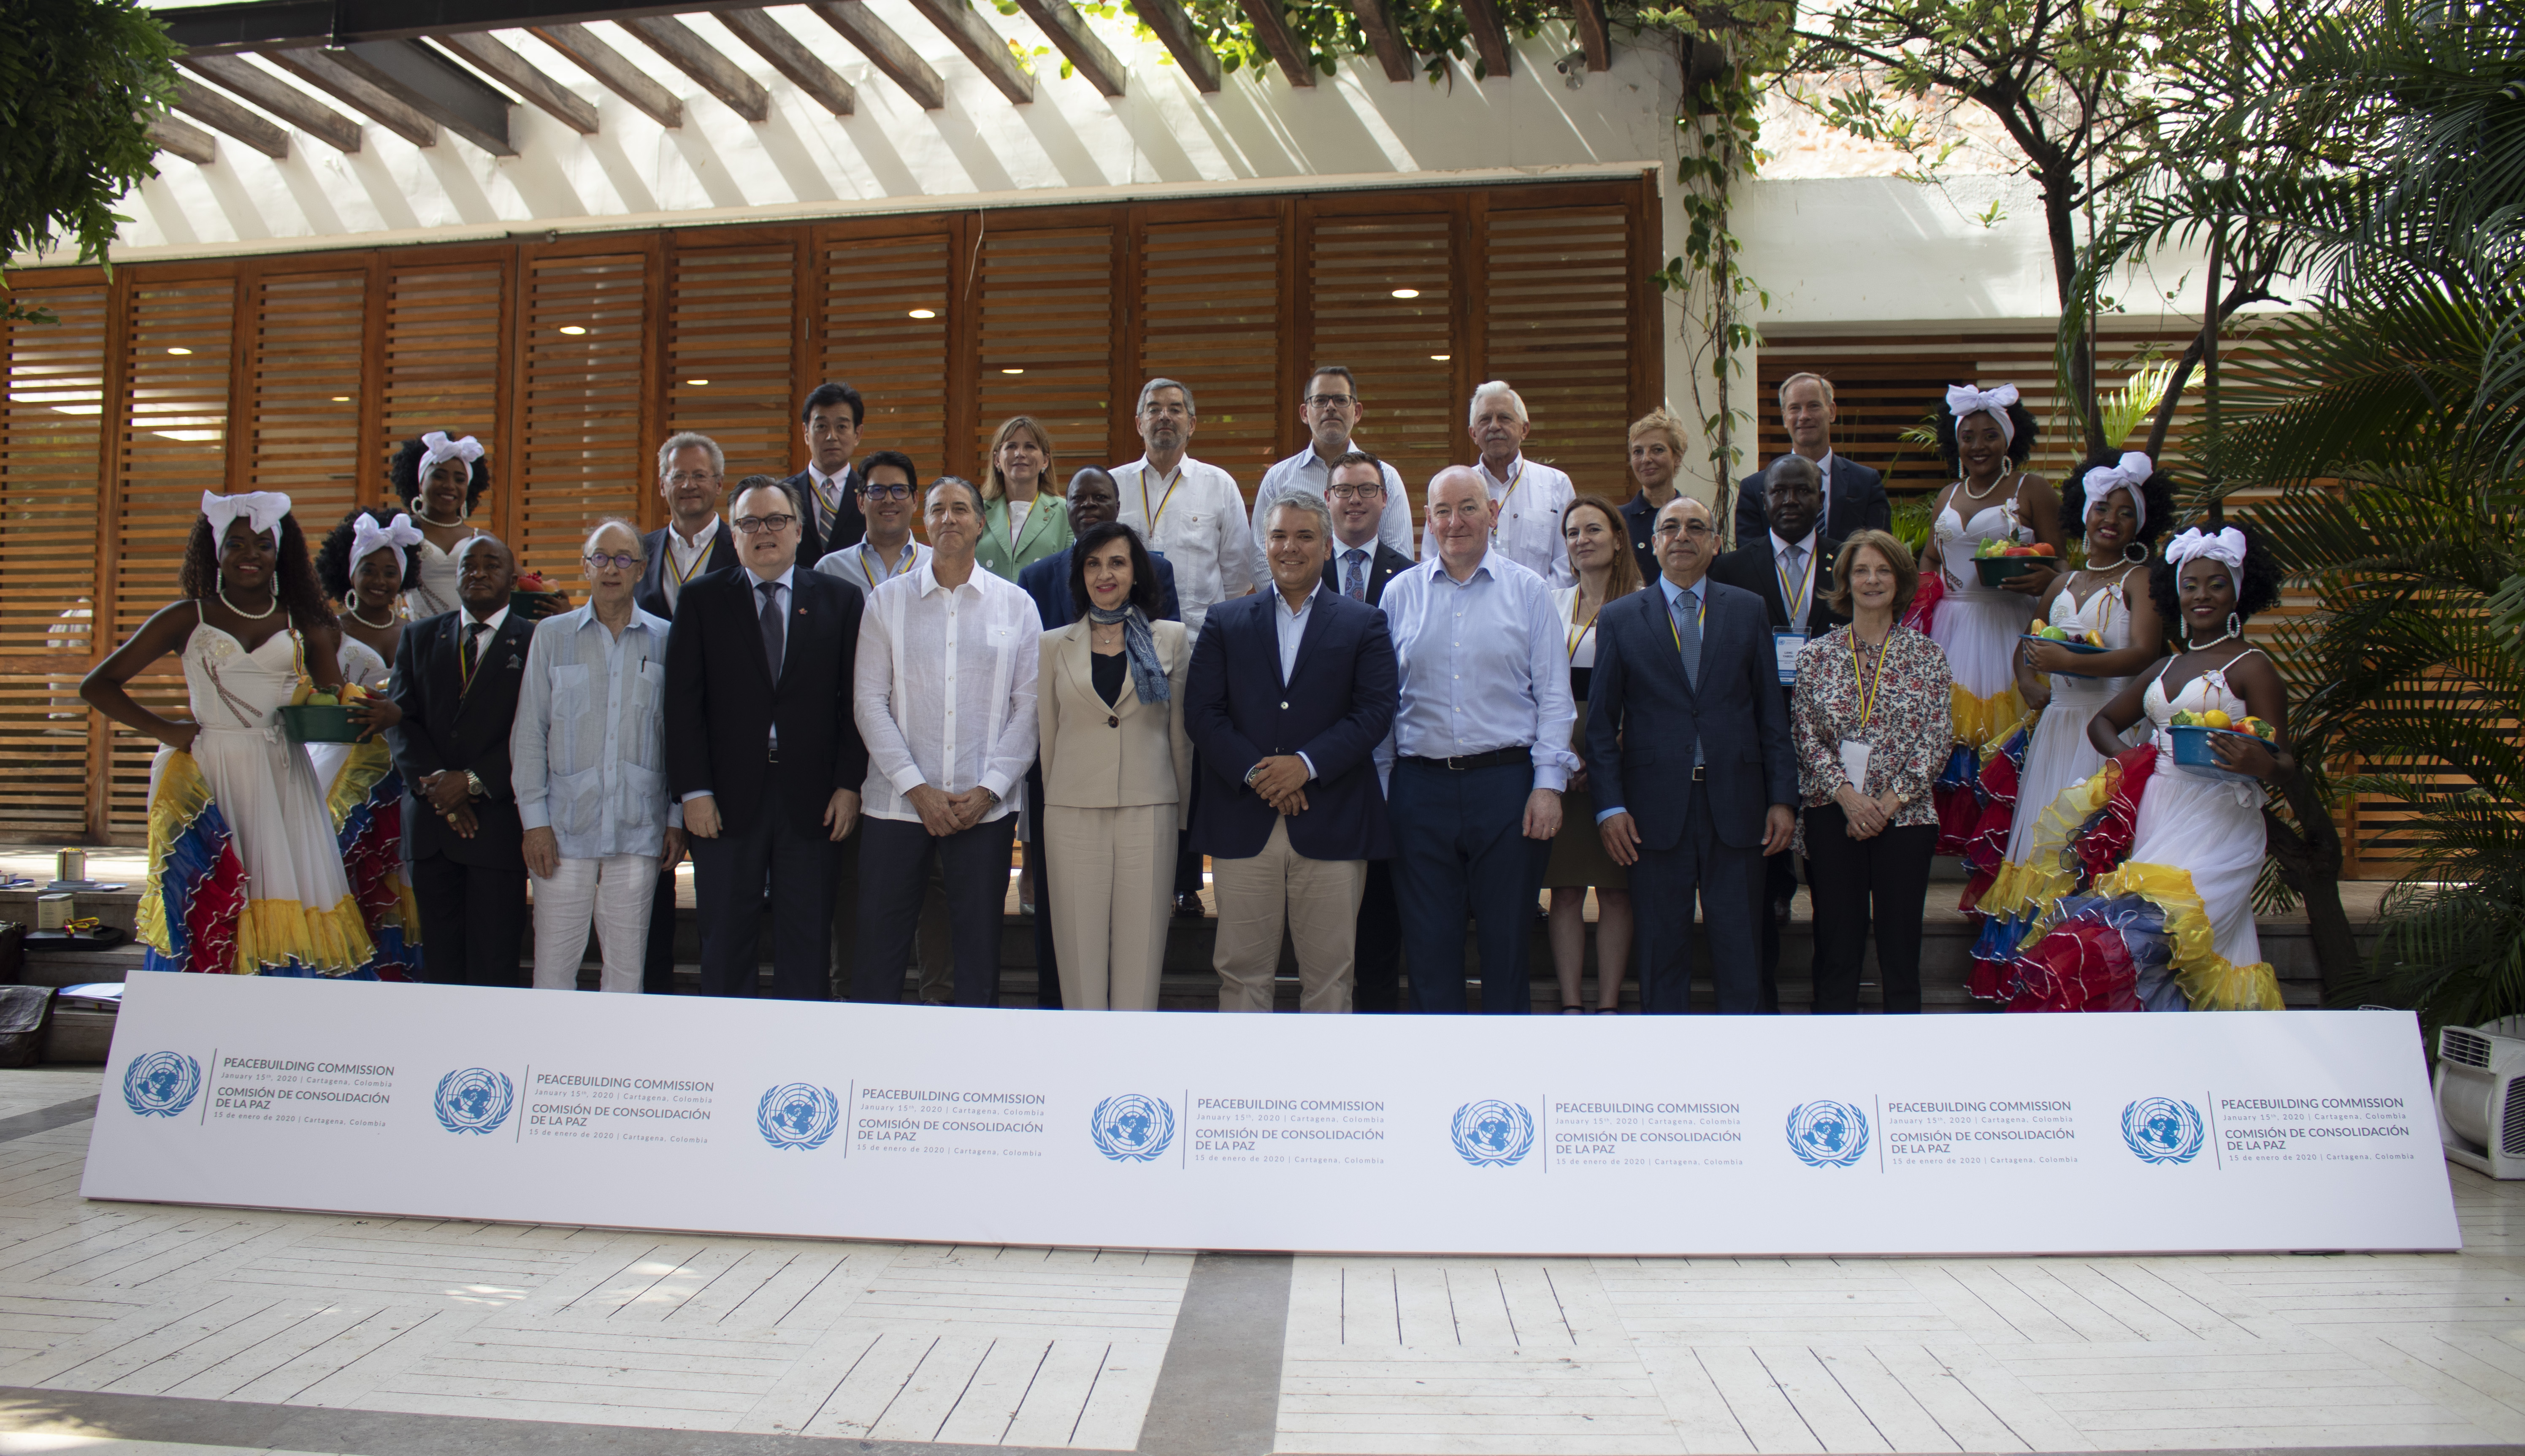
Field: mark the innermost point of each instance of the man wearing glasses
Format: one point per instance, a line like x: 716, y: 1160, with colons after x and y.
x: 762, y: 750
x: 1330, y: 408
x: 1688, y: 750
x: 886, y: 486
x: 1186, y: 510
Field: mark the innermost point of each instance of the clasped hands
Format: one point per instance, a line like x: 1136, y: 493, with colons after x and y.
x: 447, y: 792
x: 1280, y: 782
x: 943, y: 813
x: 1863, y: 817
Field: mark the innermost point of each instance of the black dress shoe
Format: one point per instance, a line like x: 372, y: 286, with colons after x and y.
x: 1189, y: 906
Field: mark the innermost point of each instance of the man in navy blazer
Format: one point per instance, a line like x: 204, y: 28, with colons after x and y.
x: 1290, y: 693
x: 1688, y: 750
x: 1093, y: 501
x: 1853, y: 497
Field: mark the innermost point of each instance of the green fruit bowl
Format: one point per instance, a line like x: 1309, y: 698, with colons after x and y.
x: 535, y: 606
x: 319, y: 723
x: 1995, y: 570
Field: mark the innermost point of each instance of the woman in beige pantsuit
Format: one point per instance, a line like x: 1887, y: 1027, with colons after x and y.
x: 1116, y: 774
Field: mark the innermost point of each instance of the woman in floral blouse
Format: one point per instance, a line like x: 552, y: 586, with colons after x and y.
x: 1872, y: 725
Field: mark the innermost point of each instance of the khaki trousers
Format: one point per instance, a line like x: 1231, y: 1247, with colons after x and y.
x: 1111, y: 875
x: 1317, y: 900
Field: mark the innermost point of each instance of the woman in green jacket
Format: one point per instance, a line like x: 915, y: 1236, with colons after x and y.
x: 1023, y: 523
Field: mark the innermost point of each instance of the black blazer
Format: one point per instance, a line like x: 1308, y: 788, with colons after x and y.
x: 1638, y: 519
x: 651, y: 597
x: 1335, y: 707
x: 1381, y: 568
x: 722, y: 701
x: 1751, y: 568
x: 1858, y: 503
x: 848, y: 522
x: 448, y: 727
x: 1642, y: 718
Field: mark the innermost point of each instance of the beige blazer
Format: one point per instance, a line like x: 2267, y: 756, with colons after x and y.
x: 1140, y: 757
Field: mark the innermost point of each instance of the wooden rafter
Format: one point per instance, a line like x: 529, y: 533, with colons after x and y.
x: 231, y: 120
x: 1066, y: 30
x: 889, y: 53
x: 1182, y: 42
x: 324, y: 73
x: 1593, y: 37
x: 789, y: 56
x: 242, y: 77
x: 1490, y: 36
x: 1376, y: 23
x: 184, y: 140
x: 614, y: 72
x: 489, y: 54
x: 675, y: 43
x: 1272, y: 28
x: 985, y: 47
x: 435, y: 86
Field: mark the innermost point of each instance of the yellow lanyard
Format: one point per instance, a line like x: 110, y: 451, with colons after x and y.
x: 890, y: 571
x: 1580, y: 630
x: 465, y: 672
x: 1153, y: 517
x: 700, y: 554
x: 1700, y: 621
x: 1866, y: 688
x: 1796, y: 603
x: 1509, y: 495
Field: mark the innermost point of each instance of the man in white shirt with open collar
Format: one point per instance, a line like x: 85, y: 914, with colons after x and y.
x: 1527, y: 497
x: 1330, y: 408
x: 1189, y: 509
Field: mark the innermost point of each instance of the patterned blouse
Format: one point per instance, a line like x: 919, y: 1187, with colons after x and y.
x: 1909, y: 731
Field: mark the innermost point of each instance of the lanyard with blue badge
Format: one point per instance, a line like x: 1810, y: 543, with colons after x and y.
x: 1788, y: 641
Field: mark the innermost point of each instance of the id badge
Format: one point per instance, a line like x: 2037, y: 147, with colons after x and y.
x: 1785, y: 647
x: 1853, y: 762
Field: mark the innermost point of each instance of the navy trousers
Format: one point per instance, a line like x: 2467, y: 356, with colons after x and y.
x: 894, y: 871
x: 1378, y: 962
x: 473, y: 922
x: 729, y: 875
x: 1461, y: 855
x: 1728, y: 884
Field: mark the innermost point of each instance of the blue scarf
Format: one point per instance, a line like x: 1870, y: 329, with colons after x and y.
x: 1140, y: 645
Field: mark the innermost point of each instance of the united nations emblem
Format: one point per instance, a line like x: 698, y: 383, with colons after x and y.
x: 160, y: 1085
x: 476, y: 1099
x: 1131, y: 1128
x: 799, y: 1115
x: 1493, y: 1134
x: 1828, y: 1134
x: 2160, y: 1129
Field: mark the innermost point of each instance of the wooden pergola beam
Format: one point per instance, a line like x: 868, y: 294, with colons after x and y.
x: 790, y: 57
x: 231, y: 120
x: 1272, y: 28
x: 1593, y: 37
x: 184, y: 140
x: 892, y: 56
x: 489, y: 54
x: 1376, y: 23
x: 678, y: 44
x: 434, y: 86
x: 1490, y: 36
x: 1066, y: 30
x: 614, y: 72
x: 324, y: 73
x: 985, y: 47
x: 1182, y: 42
x: 241, y: 76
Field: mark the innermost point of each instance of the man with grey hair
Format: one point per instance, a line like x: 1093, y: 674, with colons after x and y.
x: 1853, y: 497
x: 1527, y: 496
x: 1188, y: 509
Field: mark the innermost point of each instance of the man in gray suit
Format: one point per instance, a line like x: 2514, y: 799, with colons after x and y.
x: 1853, y: 497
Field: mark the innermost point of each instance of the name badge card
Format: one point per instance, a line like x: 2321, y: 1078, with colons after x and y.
x: 1785, y: 647
x: 1853, y: 762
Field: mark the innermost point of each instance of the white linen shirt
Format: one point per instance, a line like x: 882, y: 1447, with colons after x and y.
x: 1309, y: 471
x: 943, y: 689
x: 1483, y: 664
x: 588, y: 753
x: 1530, y: 498
x: 1201, y: 527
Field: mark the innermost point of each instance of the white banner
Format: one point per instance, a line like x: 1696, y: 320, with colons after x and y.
x: 1941, y: 1135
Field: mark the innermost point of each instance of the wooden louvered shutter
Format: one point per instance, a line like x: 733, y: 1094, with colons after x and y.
x: 579, y: 452
x: 1401, y: 348
x: 442, y: 362
x: 1556, y: 330
x: 1209, y: 303
x: 302, y: 407
x: 730, y: 314
x: 885, y: 331
x: 1048, y: 342
x: 51, y: 415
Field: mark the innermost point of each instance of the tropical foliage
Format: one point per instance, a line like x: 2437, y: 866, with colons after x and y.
x: 78, y: 82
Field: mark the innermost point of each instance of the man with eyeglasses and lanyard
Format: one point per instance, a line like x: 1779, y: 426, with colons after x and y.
x: 1331, y: 408
x: 828, y: 488
x: 1187, y: 510
x: 887, y: 483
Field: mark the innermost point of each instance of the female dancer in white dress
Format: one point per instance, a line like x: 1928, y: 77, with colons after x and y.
x: 1986, y: 436
x: 2123, y: 506
x: 439, y: 480
x: 244, y: 874
x: 2170, y: 927
x: 368, y: 564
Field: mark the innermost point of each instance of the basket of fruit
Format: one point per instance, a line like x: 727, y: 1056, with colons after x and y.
x: 534, y: 599
x: 2085, y: 645
x: 2195, y: 735
x: 320, y: 719
x: 2000, y: 561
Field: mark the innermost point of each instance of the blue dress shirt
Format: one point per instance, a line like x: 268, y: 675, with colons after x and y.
x: 1484, y: 666
x: 587, y: 751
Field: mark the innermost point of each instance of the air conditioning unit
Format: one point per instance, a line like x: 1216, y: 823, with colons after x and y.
x: 2480, y: 1087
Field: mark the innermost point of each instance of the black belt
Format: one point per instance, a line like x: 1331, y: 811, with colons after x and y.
x: 1497, y: 758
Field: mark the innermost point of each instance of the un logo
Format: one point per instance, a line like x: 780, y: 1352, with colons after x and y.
x: 475, y: 1100
x: 2160, y: 1129
x: 160, y: 1085
x: 1133, y: 1128
x: 1828, y: 1134
x: 798, y: 1115
x: 1493, y: 1134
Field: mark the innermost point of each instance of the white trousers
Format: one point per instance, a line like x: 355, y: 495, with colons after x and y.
x: 614, y: 894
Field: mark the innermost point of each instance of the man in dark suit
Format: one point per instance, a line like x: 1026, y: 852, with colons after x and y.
x: 1291, y: 690
x: 1687, y: 749
x: 761, y: 748
x: 828, y: 488
x: 1359, y: 567
x: 456, y: 678
x: 694, y: 542
x: 1853, y: 495
x: 1789, y: 566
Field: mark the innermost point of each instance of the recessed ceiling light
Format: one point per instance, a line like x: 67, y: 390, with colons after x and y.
x: 179, y: 351
x: 1442, y: 358
x: 924, y: 313
x: 341, y: 399
x: 572, y: 329
x: 696, y: 382
x: 1012, y: 370
x: 1406, y: 292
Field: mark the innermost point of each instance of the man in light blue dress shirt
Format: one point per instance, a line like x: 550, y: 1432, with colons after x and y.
x: 587, y: 758
x: 1479, y: 753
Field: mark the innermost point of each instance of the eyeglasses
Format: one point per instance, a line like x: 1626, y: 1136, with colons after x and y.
x: 1356, y: 492
x: 1331, y: 401
x: 885, y: 492
x: 1686, y: 527
x: 598, y: 561
x: 693, y: 478
x: 755, y: 525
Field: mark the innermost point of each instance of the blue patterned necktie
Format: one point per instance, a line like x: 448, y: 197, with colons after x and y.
x: 1687, y: 632
x: 1355, y: 574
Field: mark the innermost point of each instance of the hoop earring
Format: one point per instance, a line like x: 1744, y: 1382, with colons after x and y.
x: 2186, y: 630
x: 2139, y: 560
x: 2235, y: 624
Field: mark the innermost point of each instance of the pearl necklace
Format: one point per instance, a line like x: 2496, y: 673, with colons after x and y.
x: 427, y: 518
x: 1964, y: 485
x: 222, y: 590
x: 2212, y: 642
x: 391, y: 618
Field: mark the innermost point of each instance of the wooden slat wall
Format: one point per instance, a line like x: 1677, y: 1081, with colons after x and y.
x: 323, y: 362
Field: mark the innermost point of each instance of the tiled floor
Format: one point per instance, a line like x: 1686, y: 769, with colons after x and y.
x: 1041, y: 1350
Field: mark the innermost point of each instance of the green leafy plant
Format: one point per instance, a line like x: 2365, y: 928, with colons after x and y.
x: 79, y: 81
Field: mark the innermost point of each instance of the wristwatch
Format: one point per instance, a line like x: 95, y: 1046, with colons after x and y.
x: 473, y: 785
x: 1254, y: 772
x: 986, y: 788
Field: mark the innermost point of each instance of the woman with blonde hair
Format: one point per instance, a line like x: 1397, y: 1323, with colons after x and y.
x: 1021, y: 525
x: 1591, y: 529
x: 1655, y: 454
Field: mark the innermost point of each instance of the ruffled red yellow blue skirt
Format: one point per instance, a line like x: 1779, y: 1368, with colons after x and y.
x: 365, y: 802
x: 197, y: 912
